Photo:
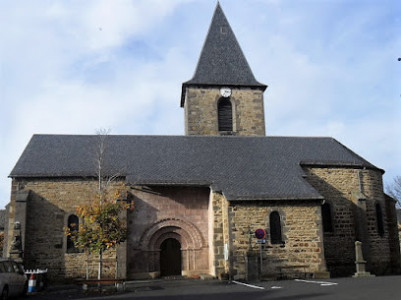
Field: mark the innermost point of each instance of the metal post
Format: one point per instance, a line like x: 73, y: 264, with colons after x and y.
x: 261, y: 260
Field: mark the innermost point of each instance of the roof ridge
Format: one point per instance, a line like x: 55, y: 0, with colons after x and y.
x: 184, y: 136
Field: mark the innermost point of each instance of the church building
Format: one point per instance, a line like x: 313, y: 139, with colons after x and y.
x: 200, y: 198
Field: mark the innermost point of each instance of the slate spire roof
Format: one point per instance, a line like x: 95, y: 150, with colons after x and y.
x: 222, y: 62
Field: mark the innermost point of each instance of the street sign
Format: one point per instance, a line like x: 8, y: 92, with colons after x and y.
x: 260, y: 233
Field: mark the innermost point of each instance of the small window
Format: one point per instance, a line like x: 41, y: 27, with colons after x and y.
x: 379, y: 219
x: 73, y: 225
x: 225, y: 114
x: 326, y: 218
x: 275, y: 228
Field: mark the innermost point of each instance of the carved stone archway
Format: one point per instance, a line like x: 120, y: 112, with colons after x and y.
x: 187, y: 234
x: 191, y: 237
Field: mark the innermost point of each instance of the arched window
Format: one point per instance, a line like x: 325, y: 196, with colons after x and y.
x: 73, y: 225
x: 275, y: 228
x: 326, y: 218
x: 225, y: 114
x: 379, y: 219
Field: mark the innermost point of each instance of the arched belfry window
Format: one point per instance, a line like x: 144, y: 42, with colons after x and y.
x: 73, y: 225
x: 275, y: 228
x: 225, y: 114
x: 379, y: 219
x: 326, y: 218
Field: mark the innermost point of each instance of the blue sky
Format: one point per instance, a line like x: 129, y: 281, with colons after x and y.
x: 71, y: 67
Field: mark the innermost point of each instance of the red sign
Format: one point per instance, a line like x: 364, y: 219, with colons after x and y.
x: 260, y: 233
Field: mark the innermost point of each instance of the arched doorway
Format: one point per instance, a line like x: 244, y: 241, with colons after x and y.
x: 170, y: 257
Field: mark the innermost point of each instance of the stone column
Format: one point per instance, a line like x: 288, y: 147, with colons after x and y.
x: 16, y: 213
x: 360, y: 262
x: 16, y: 245
x: 361, y: 223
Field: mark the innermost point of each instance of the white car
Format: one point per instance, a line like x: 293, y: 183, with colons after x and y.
x: 13, y: 281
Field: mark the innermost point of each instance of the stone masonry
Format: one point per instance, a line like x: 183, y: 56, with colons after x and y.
x: 49, y: 204
x: 353, y: 195
x: 201, y: 111
x: 302, y: 248
x: 168, y: 212
x: 206, y: 224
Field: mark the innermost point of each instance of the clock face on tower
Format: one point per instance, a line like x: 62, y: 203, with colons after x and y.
x: 225, y: 92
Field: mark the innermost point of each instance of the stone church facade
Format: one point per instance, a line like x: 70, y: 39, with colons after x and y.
x: 200, y: 197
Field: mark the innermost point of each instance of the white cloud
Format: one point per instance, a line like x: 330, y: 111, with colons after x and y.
x: 72, y: 67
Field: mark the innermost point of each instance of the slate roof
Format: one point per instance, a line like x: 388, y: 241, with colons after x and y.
x: 243, y: 168
x: 222, y: 62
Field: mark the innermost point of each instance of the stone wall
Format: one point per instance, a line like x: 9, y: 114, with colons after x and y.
x: 394, y: 235
x: 50, y: 203
x: 164, y: 212
x: 219, y: 228
x: 353, y: 195
x: 168, y: 212
x: 302, y: 247
x: 201, y: 111
x: 78, y: 265
x: 206, y: 224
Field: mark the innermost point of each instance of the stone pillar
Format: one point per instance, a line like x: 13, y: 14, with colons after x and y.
x: 252, y: 261
x: 16, y: 245
x: 21, y: 202
x: 361, y: 224
x: 360, y: 262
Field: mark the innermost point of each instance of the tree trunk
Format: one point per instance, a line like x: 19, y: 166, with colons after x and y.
x: 87, y: 265
x: 99, y: 274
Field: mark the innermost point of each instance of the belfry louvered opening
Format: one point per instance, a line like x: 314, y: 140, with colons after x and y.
x: 225, y: 115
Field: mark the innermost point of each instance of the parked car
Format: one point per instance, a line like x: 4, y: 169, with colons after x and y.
x: 13, y: 281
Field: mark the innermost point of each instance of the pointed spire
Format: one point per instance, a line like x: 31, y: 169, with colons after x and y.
x: 222, y: 62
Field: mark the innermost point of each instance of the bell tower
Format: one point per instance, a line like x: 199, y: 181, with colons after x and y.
x: 223, y: 97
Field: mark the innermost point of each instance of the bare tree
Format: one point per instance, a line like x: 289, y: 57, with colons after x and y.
x: 102, y: 228
x: 394, y: 190
x: 104, y: 173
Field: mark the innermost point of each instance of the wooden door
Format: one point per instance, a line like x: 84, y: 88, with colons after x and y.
x: 170, y: 257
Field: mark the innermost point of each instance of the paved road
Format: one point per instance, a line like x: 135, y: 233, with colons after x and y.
x: 377, y: 288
